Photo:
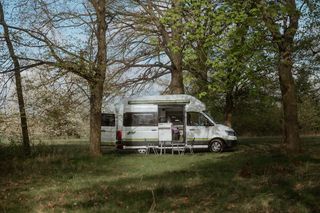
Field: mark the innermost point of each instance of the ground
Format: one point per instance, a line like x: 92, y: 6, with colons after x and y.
x: 257, y: 177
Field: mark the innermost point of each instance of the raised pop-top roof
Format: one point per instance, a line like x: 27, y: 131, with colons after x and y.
x: 192, y: 103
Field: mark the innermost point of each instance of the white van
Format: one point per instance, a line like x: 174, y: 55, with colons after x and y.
x: 172, y: 118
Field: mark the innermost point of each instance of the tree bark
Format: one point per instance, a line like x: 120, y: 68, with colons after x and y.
x: 96, y: 94
x: 96, y: 85
x: 17, y: 75
x: 228, y: 109
x: 176, y: 85
x: 289, y: 102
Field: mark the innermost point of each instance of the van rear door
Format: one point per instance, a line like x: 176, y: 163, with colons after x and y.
x: 108, y: 129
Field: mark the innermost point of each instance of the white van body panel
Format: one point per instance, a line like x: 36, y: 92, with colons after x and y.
x: 108, y: 135
x: 140, y: 134
x: 197, y: 133
x: 108, y: 132
x: 220, y: 131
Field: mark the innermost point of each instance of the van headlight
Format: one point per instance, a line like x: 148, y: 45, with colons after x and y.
x: 231, y: 132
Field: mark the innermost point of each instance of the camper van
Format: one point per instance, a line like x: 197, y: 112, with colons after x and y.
x: 166, y: 118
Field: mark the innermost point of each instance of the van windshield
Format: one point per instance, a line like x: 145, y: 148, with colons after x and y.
x: 208, y: 114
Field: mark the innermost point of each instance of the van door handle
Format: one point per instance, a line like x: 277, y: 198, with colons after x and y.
x: 153, y: 130
x: 192, y: 129
x: 131, y: 132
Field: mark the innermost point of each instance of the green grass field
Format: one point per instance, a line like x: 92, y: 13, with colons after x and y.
x: 257, y: 177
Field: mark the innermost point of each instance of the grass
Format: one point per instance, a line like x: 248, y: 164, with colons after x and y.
x: 258, y: 177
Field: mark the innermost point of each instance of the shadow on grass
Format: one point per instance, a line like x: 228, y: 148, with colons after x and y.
x: 245, y: 181
x: 205, y: 186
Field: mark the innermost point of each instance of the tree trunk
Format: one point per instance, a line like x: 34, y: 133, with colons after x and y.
x: 96, y: 94
x: 96, y: 85
x: 228, y: 110
x: 289, y: 102
x: 284, y: 39
x: 23, y: 116
x: 176, y: 85
x: 17, y: 75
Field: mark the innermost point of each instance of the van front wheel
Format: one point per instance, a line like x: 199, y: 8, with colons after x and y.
x: 216, y: 145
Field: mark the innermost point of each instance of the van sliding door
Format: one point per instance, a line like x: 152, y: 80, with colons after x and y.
x: 140, y: 128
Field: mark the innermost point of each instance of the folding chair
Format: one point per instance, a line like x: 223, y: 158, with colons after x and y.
x: 179, y: 147
x: 190, y: 146
x: 152, y: 147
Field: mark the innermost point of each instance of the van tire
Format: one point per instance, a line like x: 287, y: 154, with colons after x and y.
x: 216, y: 145
x: 142, y: 151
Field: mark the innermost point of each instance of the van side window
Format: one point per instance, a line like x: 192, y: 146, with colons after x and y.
x: 197, y: 119
x: 107, y: 119
x: 139, y: 119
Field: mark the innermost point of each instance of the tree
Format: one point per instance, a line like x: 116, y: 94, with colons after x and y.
x: 157, y: 38
x: 57, y: 104
x: 85, y: 56
x: 281, y: 18
x: 225, y: 56
x: 17, y: 75
x: 96, y: 83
